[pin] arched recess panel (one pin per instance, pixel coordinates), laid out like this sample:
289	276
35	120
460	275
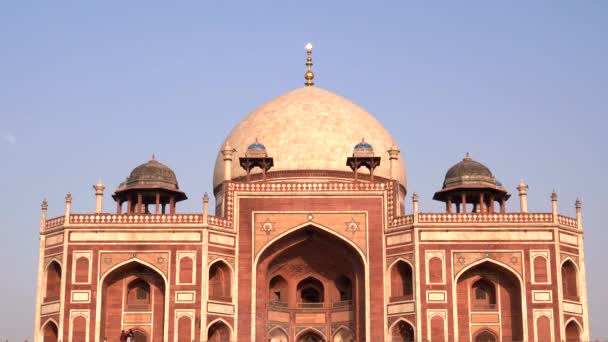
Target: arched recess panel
53	282
569	280
218	332
540	269
310	290
79	329
186	265
128	290
543	329
82	270
402	332
50	332
402	286
573	332
184	329
437	329
435	270
278	335
220	277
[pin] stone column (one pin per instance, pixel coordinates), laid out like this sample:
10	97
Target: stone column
205	208
523	196
68	208
554	203
393	159
227	152
99	188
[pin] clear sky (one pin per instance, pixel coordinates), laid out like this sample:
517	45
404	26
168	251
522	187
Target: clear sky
89	91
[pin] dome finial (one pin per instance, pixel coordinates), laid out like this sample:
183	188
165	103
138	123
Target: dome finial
467	156
153	156
309	76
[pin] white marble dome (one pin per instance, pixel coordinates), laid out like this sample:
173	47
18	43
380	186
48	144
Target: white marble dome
309	129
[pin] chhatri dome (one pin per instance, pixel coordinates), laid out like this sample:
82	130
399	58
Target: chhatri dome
309	129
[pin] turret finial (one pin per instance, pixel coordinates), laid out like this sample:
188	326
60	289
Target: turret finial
309	76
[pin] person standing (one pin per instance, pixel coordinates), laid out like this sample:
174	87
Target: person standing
130	336
123	336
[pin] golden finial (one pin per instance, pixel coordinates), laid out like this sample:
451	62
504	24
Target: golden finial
309	75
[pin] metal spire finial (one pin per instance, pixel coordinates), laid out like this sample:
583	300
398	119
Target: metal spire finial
309	76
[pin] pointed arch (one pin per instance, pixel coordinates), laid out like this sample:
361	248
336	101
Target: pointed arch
152	267
508	268
186	270
278	334
50	331
570	281
219	331
278	290
303	226
220	281
52	281
310	331
402	330
485	335
401	275
79	331
343	334
573	330
544	327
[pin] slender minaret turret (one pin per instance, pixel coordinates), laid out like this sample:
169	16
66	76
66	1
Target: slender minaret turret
523	196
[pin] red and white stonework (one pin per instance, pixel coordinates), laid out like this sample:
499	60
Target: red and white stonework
307	245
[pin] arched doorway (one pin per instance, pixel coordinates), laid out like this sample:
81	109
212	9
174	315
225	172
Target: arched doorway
485	336
344	335
402	332
218	332
50	332
573	332
292	278
310	336
278	335
133	293
570	281
490	289
52	289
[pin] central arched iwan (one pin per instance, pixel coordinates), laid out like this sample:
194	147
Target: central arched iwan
311	270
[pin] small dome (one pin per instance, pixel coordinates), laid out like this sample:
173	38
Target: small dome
469	171
363	149
256	146
152	174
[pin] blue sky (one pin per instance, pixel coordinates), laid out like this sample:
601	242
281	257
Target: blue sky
89	91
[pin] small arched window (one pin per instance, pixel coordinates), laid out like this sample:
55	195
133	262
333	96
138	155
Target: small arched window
220	282
401	281
483	295
53	282
570	281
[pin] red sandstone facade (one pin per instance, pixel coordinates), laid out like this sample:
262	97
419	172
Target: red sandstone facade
311	255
